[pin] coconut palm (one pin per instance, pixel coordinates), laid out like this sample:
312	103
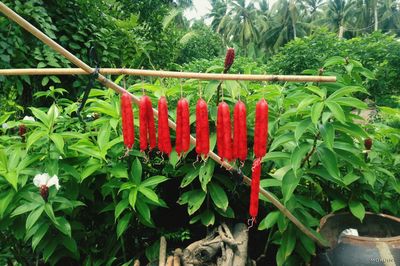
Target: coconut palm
390	18
340	13
286	23
218	11
239	25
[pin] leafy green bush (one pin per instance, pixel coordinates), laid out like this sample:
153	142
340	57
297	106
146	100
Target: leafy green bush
108	207
377	51
199	43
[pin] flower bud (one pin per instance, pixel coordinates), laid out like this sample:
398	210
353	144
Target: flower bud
229	58
368	144
22	130
44	192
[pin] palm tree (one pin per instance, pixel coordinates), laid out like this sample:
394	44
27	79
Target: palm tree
390	19
339	13
313	9
218	11
239	25
286	23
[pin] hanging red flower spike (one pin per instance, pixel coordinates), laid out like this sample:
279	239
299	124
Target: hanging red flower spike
151	128
143	123
261	129
239	132
202	128
128	129
164	138
255	188
182	127
224	132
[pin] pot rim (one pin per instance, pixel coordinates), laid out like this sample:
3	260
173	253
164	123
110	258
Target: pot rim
363	238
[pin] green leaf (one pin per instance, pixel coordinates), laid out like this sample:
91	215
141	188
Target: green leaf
33	217
144	211
25	207
316	90
350	178
207	218
352	102
316	111
370	177
345	91
218	196
189	177
328	134
12	179
299	154
210	89
49	249
193	198
148	193
276	156
50	213
352	129
329	161
337	111
289	184
269	221
121	206
153	181
58	141
136	171
205	174
42	116
301	128
39	234
357	209
6	198
132	197
103	136
35	137
307	243
123	224
63	226
280	140
70	244
335	60
338	204
90	169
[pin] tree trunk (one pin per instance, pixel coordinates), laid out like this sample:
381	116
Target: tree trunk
341	32
376	22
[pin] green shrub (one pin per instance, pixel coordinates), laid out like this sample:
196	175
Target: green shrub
377	51
107	207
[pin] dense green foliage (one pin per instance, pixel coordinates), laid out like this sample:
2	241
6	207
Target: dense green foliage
112	208
315	164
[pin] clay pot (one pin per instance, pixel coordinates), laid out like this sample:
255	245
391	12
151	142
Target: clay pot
378	242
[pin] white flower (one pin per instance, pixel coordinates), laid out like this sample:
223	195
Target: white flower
45	180
28	118
4	125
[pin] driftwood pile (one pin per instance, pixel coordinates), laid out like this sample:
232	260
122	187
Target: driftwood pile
224	246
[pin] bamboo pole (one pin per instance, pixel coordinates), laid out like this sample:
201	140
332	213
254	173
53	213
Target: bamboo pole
108	83
166	74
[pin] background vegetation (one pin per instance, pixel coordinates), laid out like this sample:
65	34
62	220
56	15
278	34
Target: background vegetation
111	210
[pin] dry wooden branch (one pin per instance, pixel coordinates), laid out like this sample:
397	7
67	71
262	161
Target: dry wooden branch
170	261
163	251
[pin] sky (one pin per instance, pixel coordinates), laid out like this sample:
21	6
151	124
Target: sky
201	7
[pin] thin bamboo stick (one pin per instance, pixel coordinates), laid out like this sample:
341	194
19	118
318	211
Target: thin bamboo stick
166	74
108	83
